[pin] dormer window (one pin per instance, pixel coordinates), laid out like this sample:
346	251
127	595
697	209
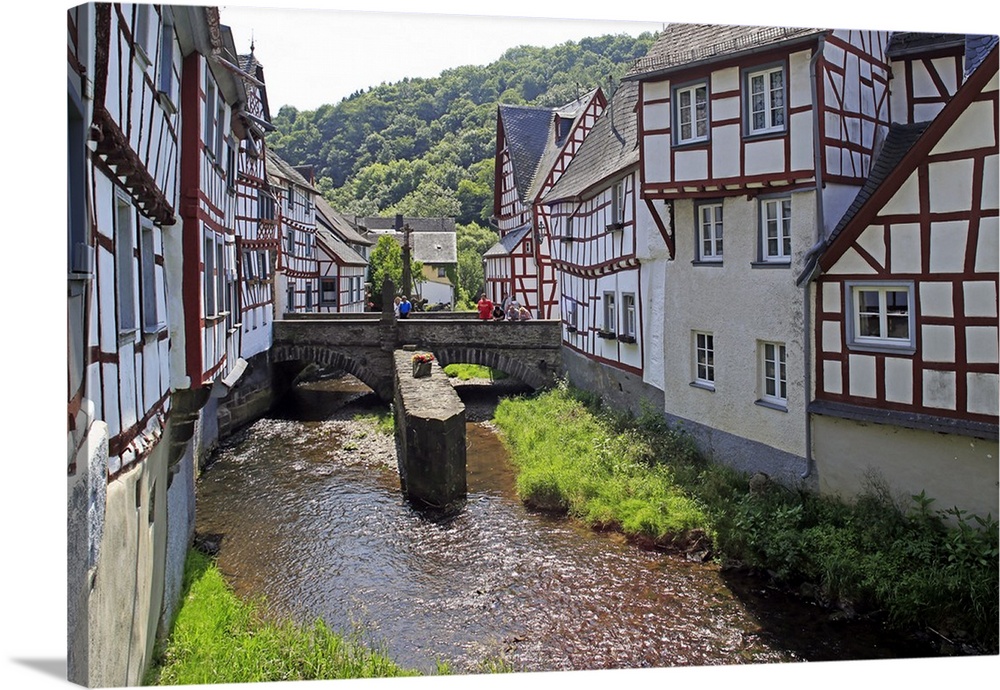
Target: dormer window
563	126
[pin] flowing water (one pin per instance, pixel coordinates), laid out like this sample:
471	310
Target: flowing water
312	519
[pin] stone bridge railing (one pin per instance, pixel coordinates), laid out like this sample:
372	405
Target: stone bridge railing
362	344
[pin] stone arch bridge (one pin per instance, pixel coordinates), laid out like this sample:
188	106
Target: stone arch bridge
363	344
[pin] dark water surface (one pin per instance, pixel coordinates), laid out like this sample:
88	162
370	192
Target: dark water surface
313	520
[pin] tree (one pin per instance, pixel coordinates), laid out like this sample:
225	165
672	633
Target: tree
386	261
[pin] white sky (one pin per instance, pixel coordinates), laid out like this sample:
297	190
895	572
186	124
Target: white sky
317	56
322	51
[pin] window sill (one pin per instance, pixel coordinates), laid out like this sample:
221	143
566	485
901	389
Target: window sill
692	143
772	405
153	330
166	102
771	264
607	335
904	349
704	385
614	226
707	262
773	133
630	339
571	329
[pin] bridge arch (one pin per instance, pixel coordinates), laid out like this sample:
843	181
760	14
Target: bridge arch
374	372
537	375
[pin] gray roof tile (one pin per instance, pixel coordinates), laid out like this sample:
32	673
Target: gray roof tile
339	249
686	44
610	147
339	222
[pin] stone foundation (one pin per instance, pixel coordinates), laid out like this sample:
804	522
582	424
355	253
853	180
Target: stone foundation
430	437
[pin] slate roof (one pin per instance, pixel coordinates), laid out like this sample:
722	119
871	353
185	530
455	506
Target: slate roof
610	147
898	142
531	138
554	147
903	43
340	223
507	243
429	246
687	44
416	224
339	249
278	167
977	47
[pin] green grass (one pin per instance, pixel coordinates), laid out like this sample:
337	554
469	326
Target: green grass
217	638
464	372
382	420
572	460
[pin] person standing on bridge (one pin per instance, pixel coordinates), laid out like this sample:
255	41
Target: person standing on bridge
405	307
485	307
395	306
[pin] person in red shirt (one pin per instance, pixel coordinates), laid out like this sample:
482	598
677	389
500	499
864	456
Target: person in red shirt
485	308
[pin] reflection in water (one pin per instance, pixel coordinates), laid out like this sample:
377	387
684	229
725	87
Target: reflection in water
313	520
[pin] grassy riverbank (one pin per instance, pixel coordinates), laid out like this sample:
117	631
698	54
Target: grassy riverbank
884	555
218	638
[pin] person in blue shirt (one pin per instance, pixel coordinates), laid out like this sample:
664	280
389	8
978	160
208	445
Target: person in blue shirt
405	307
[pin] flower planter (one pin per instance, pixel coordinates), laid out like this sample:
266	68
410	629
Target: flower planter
421	369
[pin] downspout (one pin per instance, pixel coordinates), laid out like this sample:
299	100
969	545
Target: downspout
810	258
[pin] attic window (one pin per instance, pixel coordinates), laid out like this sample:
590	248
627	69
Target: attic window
563	126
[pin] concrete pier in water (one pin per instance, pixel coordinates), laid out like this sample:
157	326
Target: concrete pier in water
430	436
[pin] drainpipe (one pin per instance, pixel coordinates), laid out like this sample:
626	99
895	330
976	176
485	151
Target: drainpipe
813	252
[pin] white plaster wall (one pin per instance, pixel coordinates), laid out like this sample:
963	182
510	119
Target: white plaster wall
953	470
741	306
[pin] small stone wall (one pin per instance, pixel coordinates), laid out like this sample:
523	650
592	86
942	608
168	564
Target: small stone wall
251	397
430	436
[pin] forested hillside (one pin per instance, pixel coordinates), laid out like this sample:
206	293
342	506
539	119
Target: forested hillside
425	147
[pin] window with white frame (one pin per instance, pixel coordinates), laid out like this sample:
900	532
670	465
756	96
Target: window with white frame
628	315
691	113
610	317
710	232
308	238
569	227
209	276
572	315
249	265
704	359
290	196
165	77
125	264
263	265
328	292
528	247
776	230
618	204
881	315
442	272
765	100
147	254
290	240
140	32
220	276
773	376
220	129
290	297
210	109
309	296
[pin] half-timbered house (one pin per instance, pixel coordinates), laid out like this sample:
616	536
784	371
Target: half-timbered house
297	278
257	239
534	146
906	297
342	271
610	260
124	185
753	142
